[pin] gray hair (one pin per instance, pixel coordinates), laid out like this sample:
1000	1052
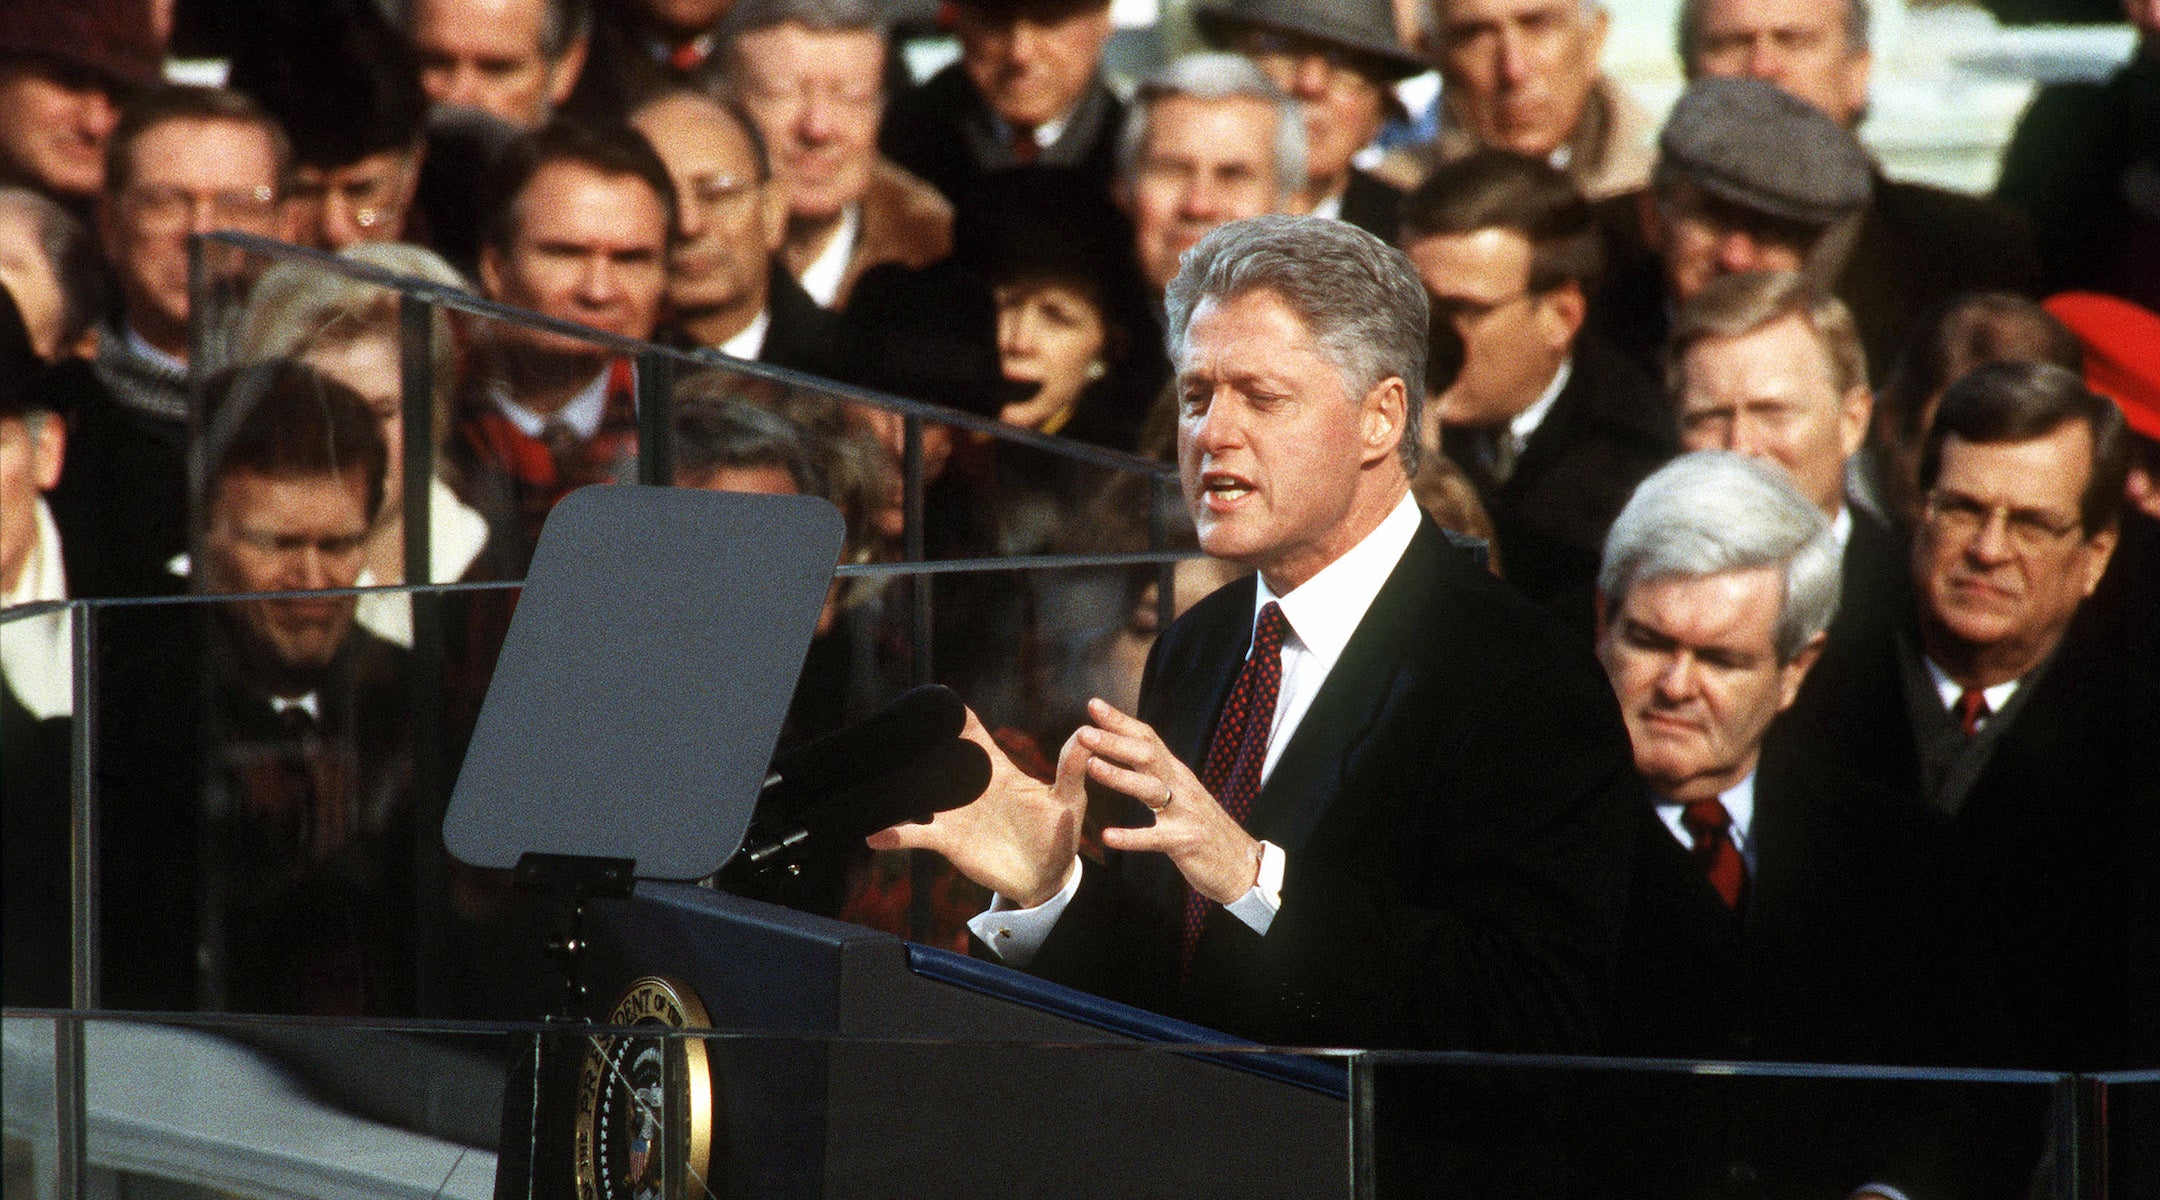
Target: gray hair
561	22
1217	76
715	429
70	254
1359	297
1715	511
817	16
1691	22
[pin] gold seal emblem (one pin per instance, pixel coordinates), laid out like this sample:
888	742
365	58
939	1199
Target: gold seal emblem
645	1104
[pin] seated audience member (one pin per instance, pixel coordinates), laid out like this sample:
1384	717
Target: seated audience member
1210	140
1915	245
348	330
811	73
1950	341
346	89
642	46
726	286
51	265
1523	75
1074	320
579	230
1341	62
65	72
182	160
2080	167
1028	88
2036	747
1754	872
1762	364
728	445
1748	178
1554	428
37	679
516	60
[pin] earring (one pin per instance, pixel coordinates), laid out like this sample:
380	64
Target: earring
1096	370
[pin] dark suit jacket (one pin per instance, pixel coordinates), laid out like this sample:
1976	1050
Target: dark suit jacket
1607	430
1454	808
1373	205
1860	939
2052	823
941	131
1874	598
802	336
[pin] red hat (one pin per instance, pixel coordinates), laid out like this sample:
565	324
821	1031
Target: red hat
2122	352
112	38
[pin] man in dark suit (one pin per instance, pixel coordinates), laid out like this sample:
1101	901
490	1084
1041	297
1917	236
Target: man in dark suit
1916	245
1341	61
1382	844
1763	364
1028	88
1555	429
2037	746
726	285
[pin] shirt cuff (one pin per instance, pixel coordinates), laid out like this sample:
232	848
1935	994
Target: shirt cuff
1014	934
1257	908
1883	1190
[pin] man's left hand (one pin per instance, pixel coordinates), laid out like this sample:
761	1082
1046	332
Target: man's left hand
1214	853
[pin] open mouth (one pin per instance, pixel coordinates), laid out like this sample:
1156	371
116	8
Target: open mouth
1219	488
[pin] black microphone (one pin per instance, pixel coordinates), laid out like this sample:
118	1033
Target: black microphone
942	775
844	758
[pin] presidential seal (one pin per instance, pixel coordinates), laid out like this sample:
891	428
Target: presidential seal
645	1104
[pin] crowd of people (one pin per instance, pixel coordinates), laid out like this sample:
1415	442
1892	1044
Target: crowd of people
1850	484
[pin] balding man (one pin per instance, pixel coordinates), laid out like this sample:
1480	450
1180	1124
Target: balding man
1916	246
1352	816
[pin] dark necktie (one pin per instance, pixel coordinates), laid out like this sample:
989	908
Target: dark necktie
562	447
1711	827
1024	146
1972	708
1239	749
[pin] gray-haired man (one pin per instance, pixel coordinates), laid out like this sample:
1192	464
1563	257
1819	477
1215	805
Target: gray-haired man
1780	908
1374	798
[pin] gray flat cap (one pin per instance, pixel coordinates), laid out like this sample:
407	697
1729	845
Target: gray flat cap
1366	27
1750	143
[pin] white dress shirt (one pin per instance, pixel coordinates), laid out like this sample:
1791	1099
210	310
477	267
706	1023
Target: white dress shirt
1950	689
822	278
1322	613
1739	802
750	343
1527	421
582	414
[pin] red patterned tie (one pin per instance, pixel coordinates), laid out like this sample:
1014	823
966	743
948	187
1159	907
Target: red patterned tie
1972	708
1239	749
1708	823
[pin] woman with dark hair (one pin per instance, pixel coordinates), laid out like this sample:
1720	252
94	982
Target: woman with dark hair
1075	318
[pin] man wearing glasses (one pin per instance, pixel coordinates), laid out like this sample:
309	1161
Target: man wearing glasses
181	161
1339	60
1993	707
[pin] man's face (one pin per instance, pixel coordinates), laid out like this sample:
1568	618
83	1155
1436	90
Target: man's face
29	464
486	54
1801	46
53	126
1031	67
361	201
269	534
1202	164
1514	340
28	275
1701	237
817	98
731	223
1693	661
186	176
1769	394
2000	561
1343	103
1273	450
586	247
1520	70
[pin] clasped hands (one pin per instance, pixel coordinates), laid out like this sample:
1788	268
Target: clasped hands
1020	837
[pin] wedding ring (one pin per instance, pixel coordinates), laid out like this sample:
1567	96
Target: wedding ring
1168	793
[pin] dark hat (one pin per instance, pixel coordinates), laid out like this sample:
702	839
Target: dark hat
111	38
1365	26
2122	352
341	81
930	335
1752	144
996	9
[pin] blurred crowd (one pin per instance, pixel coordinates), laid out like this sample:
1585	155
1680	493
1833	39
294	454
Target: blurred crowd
764	179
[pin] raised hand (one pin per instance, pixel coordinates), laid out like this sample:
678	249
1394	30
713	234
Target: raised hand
1214	853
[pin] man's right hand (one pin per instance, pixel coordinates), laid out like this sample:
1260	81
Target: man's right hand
1019	838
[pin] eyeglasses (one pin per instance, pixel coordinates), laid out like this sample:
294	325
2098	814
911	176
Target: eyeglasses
165	208
1346	69
710	191
1461	309
2030	530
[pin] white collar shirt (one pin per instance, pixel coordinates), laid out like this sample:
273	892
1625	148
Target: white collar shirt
582	414
1739	802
